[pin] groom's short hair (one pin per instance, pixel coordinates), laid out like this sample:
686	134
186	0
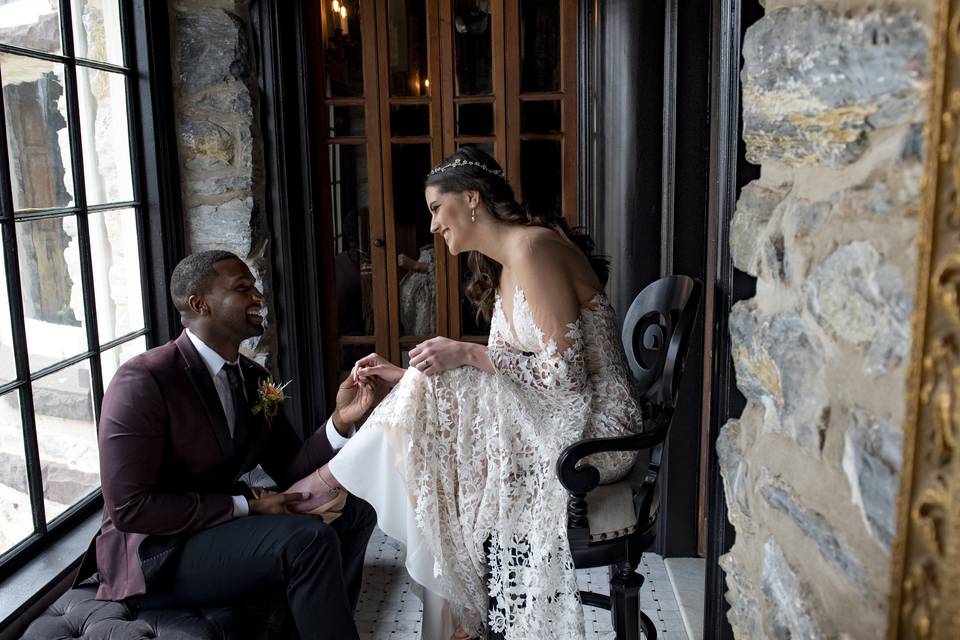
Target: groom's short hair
194	274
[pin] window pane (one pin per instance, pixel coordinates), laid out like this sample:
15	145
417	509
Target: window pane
417	284
31	24
474	50
474	119
37	137
540	175
8	369
111	359
102	99
16	513
343	55
410	119
540	116
540	45
96	30
353	271
52	290
346	121
115	254
408	48
67	436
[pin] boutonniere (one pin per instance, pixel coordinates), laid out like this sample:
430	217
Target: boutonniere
270	396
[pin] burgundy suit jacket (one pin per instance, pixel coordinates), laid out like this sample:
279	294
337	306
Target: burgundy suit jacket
168	466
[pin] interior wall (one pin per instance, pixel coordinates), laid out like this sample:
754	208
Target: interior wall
833	110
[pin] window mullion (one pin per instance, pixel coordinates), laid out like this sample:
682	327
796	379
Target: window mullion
80	199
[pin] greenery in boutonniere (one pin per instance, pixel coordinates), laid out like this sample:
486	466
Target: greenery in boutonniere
270	396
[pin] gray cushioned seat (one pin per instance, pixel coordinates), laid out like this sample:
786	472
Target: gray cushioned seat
77	614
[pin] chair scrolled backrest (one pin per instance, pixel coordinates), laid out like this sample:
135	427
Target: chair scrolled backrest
656	335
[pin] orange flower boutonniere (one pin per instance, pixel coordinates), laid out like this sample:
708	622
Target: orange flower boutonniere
270	396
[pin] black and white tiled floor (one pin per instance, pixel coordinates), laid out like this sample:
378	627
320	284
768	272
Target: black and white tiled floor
388	609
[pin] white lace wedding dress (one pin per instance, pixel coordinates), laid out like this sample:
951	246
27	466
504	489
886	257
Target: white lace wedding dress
460	467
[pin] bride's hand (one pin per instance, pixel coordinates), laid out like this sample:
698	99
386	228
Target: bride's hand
376	369
440	354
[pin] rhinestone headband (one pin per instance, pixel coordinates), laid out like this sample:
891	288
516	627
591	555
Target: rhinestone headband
459	162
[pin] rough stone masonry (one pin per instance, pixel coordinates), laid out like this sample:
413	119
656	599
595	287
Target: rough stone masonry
834	102
219	140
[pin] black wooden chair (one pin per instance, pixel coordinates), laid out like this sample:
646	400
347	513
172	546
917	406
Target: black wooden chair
613	524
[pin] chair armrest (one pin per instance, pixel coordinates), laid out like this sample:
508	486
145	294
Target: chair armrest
580	479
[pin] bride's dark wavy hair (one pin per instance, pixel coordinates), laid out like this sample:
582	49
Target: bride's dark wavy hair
498	197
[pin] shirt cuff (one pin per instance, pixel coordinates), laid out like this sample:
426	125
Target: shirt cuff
241	507
338	441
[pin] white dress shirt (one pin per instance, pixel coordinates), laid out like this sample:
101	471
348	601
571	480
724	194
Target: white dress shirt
214	363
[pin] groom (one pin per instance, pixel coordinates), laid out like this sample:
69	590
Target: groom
177	432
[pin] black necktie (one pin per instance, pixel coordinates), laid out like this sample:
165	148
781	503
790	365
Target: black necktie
239	401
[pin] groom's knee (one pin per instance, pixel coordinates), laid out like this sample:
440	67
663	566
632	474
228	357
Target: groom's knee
312	542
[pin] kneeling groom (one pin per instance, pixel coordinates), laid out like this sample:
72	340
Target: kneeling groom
177	431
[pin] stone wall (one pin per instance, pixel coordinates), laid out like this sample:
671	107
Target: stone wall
220	144
833	111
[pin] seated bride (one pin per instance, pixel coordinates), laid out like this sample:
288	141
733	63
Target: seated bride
458	459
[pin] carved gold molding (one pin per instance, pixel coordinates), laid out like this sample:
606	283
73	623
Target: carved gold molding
925	594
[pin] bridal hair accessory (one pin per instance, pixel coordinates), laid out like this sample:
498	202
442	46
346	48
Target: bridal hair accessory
270	396
459	162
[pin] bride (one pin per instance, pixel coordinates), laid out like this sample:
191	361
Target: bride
459	458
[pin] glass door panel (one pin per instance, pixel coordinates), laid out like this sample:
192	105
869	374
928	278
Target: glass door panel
353	272
343	49
474	48
407	25
540	45
415	245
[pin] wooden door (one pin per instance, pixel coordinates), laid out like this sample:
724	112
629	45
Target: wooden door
398	86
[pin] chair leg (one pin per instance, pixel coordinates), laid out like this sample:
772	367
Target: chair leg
625	586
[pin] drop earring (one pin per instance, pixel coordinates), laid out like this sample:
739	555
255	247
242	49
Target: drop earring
473	215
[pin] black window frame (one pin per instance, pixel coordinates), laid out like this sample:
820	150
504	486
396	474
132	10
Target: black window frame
156	202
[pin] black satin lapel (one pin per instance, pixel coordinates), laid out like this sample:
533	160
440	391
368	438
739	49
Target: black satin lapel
203	384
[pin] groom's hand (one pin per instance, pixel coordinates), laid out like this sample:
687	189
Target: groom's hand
270	502
354	400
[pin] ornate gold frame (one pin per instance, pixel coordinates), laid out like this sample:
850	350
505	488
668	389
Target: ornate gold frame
925	593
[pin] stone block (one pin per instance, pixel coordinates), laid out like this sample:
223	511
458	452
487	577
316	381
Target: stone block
872	455
205	145
214	49
235	99
735	472
220	185
225	226
861	300
818	529
779	366
748	229
793	610
815	82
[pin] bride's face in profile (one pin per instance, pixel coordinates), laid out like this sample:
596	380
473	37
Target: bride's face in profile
450	217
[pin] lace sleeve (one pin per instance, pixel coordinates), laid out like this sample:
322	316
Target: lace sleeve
558	366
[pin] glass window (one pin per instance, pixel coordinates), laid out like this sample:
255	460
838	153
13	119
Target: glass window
50	281
474	48
416	255
38	143
15	512
31	24
540	116
410	119
408	48
343	50
353	269
74	240
345	121
539	45
67	437
540	175
474	119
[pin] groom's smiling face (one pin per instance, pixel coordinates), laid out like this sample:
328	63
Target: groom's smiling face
234	302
